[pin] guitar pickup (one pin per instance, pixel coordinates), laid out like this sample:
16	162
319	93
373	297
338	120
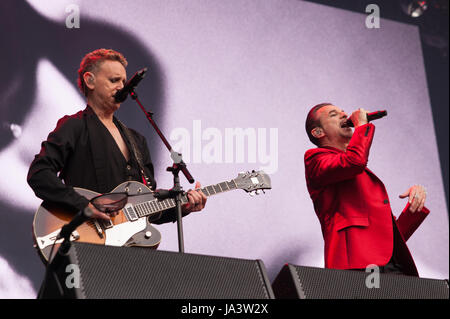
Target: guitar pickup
50	239
130	212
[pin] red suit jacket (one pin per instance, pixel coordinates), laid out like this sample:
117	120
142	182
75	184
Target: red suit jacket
353	207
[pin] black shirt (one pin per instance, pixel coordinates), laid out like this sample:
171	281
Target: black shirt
84	153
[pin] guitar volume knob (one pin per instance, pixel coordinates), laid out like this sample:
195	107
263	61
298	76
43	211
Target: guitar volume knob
148	234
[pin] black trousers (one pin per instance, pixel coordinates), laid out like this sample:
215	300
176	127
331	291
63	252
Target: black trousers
392	267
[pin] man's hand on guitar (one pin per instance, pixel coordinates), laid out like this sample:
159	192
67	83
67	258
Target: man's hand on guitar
98	214
197	200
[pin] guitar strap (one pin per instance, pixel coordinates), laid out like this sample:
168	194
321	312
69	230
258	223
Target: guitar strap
136	153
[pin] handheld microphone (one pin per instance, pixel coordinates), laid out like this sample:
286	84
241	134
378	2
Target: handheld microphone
122	94
370	117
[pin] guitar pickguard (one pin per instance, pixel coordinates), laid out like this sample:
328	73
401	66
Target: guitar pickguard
119	234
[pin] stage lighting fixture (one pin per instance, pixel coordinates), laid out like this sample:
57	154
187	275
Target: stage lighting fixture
414	8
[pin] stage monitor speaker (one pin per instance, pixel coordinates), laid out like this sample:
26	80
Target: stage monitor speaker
297	282
98	272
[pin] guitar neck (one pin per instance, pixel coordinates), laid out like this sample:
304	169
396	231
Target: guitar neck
219	188
156	206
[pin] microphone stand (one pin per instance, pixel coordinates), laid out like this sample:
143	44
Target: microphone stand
62	252
177	191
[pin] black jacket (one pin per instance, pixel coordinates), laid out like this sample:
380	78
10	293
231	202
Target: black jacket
85	155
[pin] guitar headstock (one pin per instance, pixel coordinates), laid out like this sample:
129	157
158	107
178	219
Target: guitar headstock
253	181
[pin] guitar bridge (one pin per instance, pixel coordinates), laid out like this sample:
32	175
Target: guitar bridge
50	239
107	224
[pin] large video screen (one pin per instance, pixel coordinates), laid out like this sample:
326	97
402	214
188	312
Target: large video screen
230	84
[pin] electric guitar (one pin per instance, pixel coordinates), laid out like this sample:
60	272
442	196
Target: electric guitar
131	226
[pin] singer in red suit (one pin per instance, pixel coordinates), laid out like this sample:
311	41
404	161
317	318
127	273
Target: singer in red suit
351	202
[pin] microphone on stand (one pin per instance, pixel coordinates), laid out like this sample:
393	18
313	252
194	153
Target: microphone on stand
66	231
122	94
370	117
79	219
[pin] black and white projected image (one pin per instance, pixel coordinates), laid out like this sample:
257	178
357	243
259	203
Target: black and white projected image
230	83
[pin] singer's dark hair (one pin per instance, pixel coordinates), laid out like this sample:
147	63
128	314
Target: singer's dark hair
91	62
312	121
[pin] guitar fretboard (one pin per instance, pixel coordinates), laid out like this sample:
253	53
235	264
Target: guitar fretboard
156	206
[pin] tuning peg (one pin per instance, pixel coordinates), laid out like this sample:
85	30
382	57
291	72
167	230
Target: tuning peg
257	192
252	193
